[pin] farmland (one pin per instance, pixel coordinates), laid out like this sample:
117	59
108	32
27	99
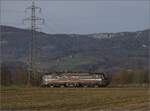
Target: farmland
75	99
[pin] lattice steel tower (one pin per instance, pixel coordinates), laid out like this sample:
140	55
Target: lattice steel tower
34	21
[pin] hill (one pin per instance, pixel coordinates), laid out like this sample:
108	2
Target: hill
90	52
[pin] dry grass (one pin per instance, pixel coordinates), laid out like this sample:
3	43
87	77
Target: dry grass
75	99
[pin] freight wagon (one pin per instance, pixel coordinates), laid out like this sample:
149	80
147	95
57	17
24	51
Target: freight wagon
75	80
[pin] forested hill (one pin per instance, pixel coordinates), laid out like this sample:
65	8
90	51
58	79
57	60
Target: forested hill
74	52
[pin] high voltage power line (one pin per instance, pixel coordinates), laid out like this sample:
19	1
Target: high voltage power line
34	20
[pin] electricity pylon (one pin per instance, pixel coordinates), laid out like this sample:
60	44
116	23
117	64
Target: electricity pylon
34	26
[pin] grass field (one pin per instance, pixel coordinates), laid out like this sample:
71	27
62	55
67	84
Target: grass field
75	99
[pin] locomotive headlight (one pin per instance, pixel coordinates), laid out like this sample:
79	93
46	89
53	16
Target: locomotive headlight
46	80
100	79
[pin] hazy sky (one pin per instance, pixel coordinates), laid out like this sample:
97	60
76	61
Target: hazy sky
81	16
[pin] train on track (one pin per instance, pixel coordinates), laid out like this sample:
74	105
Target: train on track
75	80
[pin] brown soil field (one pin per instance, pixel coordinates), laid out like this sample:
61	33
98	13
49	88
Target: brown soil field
75	99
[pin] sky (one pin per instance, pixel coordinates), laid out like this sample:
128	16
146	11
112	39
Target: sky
82	16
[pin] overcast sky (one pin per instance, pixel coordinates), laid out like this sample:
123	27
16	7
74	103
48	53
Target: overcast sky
81	16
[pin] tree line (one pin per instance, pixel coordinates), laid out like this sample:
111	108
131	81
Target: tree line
124	76
18	75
